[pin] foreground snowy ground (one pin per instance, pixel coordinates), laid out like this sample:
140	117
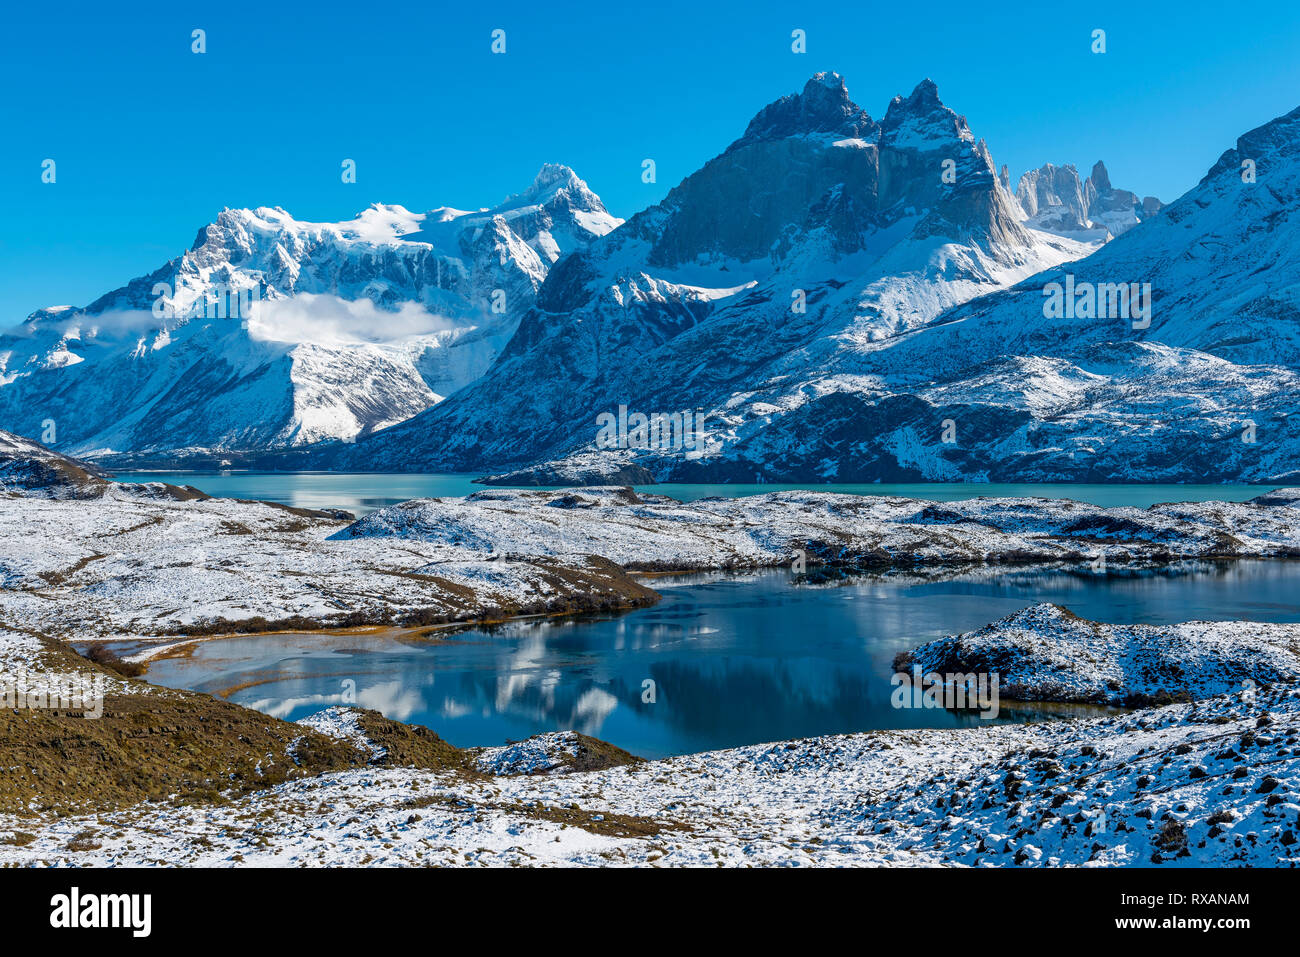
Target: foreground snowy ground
1216	782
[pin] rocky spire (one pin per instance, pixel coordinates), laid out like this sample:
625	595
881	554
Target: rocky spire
1100	179
824	106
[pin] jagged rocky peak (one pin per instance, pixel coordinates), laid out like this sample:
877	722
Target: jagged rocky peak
931	161
922	124
1048	186
557	184
1053	199
815	168
553	175
556	214
923	109
1116	210
805	164
1056	200
824	106
1100	179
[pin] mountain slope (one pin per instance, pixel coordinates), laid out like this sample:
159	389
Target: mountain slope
819	232
271	332
27	467
1201	389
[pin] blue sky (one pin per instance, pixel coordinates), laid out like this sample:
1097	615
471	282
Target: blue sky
151	140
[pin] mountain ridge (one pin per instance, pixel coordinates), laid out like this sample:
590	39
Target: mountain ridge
870	234
993	387
273	332
839	298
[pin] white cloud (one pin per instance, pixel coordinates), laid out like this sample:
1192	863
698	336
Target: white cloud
329	320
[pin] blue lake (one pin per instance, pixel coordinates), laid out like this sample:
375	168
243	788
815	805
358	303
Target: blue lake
364	492
734	659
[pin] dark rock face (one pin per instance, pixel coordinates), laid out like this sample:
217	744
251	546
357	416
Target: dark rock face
917	135
816	161
727	209
824	106
1118	210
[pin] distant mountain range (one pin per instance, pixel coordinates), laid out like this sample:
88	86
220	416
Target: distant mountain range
270	332
835	298
1056	200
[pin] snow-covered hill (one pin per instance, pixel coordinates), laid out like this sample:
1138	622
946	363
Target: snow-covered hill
1047	653
273	332
29	468
658	533
819	232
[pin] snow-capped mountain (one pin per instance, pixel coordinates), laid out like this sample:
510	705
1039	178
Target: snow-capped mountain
272	332
1168	354
832	298
1198	382
1056	200
820	233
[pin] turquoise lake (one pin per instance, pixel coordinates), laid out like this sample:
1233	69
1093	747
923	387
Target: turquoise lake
365	492
735	659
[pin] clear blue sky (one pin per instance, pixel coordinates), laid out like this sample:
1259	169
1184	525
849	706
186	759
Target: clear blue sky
151	141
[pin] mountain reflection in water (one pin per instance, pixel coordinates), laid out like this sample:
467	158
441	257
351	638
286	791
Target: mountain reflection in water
734	659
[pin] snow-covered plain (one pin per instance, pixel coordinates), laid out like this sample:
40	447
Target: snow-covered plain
132	562
644	531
